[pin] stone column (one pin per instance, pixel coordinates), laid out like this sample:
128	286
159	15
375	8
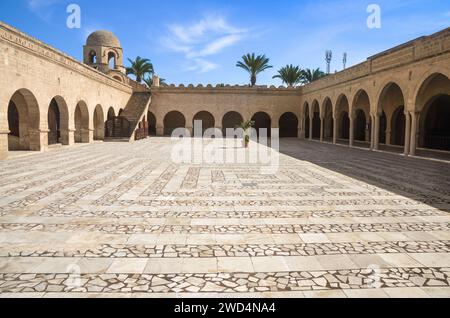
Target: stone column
413	142
321	128
407	133
159	131
388	137
376	132
68	137
310	127
38	140
335	130
301	131
3	144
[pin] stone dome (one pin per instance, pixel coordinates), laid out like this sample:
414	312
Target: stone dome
103	38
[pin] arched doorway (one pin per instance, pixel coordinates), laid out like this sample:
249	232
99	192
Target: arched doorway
111	113
391	103
360	125
81	123
343	118
398	126
316	120
207	122
151	124
263	124
172	121
23	122
109	124
362	119
231	120
99	123
328	119
433	102
383	128
54	123
307	121
288	125
344	132
58	122
436	124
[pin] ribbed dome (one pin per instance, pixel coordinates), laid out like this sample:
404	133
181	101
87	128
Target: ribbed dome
103	38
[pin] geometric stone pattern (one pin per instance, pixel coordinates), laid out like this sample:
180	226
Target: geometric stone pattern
207	283
132	221
205	251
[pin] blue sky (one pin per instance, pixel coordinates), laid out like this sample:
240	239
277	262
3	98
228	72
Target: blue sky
199	41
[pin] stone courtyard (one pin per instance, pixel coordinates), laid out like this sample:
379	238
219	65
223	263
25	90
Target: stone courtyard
122	219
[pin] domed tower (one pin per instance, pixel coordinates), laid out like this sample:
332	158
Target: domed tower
104	53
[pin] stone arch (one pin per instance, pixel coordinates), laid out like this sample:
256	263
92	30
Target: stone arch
99	123
172	121
230	120
328	118
316	122
111	113
82	123
112	60
151	118
433	104
207	119
391	101
93	57
288	125
398	124
361	109
58	121
262	121
343	118
24	122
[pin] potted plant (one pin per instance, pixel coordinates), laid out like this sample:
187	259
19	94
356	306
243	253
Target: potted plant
246	127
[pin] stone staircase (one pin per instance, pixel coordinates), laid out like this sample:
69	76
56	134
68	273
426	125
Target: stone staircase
124	126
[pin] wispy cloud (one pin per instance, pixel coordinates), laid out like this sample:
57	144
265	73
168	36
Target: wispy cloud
43	8
202	39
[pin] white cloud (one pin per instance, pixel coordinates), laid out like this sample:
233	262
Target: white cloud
43	8
204	38
201	66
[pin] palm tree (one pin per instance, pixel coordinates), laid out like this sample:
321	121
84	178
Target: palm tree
290	75
149	81
254	65
310	76
246	126
139	68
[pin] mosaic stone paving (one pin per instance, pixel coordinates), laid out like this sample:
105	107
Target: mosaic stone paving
125	220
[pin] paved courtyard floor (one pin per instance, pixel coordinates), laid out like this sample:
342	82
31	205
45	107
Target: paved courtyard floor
124	220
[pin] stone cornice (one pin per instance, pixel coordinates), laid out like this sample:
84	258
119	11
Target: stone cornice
33	46
259	90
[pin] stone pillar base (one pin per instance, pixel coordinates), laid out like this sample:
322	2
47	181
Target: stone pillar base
87	136
68	137
160	131
38	140
3	144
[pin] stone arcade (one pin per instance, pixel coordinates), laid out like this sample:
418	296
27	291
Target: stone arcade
396	99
